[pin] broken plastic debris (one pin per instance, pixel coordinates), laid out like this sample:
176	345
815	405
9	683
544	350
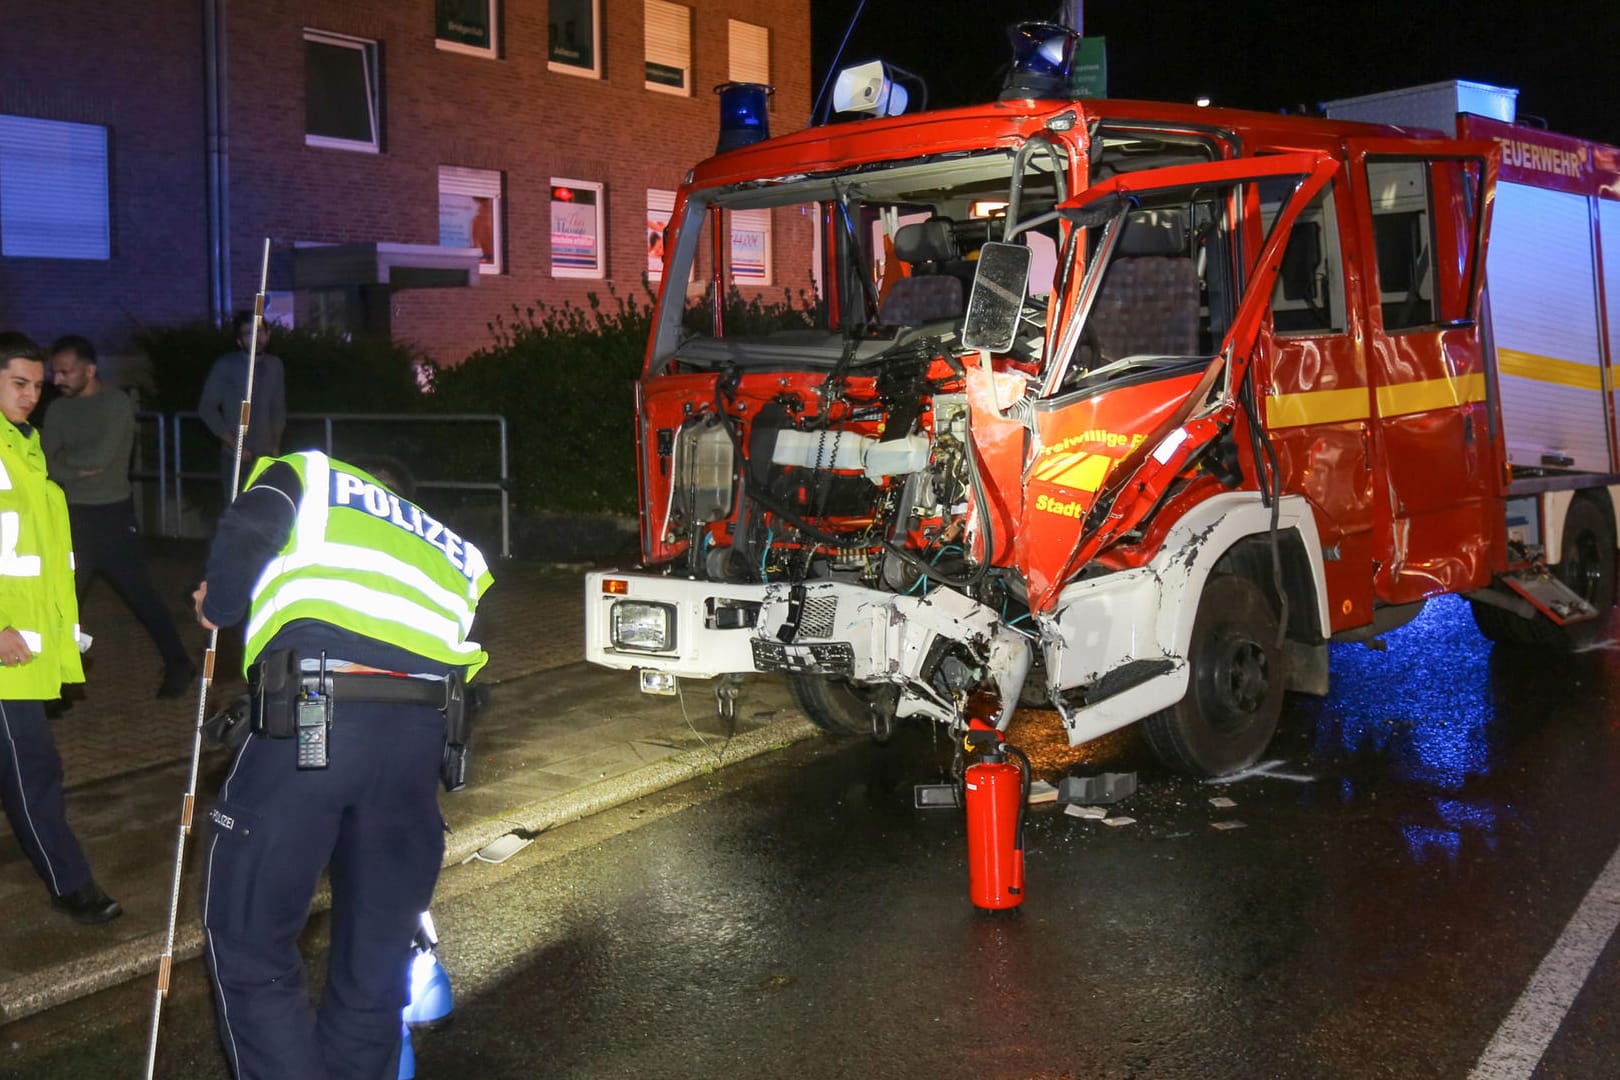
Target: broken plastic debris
501	849
1095	813
1042	792
1119	821
1222	802
1224	825
1088	790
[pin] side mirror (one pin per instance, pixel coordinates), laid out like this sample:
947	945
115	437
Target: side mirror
999	285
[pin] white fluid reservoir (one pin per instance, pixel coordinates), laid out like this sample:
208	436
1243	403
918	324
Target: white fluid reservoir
847	450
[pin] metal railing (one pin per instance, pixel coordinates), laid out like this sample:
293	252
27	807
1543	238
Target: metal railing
171	474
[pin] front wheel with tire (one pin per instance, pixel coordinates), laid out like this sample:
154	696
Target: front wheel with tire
839	706
1235	683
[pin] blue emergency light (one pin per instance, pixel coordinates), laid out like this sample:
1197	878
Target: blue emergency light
1042	55
744	119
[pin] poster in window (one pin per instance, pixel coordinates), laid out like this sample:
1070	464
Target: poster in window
660	205
573	35
464	22
468	221
574	243
750	247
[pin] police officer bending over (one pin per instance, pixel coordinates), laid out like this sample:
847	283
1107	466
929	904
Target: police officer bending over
358	605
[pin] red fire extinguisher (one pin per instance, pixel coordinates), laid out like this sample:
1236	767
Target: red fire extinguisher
997	797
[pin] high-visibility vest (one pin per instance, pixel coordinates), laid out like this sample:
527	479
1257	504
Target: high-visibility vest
365	560
36	572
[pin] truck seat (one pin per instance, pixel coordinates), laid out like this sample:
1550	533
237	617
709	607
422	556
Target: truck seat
1149	301
928	294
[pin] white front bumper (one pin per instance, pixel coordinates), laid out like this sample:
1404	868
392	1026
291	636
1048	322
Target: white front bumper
824	627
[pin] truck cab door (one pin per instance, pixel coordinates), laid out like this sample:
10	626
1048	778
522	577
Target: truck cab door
1153	347
1436	443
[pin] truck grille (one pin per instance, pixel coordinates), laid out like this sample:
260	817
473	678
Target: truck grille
818	617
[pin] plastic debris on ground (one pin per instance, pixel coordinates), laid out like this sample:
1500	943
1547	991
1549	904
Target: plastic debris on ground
1108	787
501	849
1224	825
1119	821
1093	813
1042	792
1222	802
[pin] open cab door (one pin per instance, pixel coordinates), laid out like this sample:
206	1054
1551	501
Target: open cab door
1149	349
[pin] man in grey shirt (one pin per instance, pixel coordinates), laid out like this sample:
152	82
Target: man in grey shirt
87	435
222	396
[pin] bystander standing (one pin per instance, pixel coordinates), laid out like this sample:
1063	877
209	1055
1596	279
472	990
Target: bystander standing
224	390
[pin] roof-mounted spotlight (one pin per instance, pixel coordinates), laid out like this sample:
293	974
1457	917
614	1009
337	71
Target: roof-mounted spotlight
873	87
1042	55
744	118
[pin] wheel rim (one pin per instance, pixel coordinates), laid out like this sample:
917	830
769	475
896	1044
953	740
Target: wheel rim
1583	571
1239	682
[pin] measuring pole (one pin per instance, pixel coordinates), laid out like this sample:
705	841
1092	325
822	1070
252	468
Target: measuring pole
188	803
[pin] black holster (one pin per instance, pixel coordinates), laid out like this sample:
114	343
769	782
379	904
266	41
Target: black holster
276	682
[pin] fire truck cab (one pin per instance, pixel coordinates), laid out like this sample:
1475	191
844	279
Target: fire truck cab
1128	407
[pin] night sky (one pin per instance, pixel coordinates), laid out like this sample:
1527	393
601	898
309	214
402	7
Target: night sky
1563	57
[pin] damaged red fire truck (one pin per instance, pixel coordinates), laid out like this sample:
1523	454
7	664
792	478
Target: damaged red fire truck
1127	408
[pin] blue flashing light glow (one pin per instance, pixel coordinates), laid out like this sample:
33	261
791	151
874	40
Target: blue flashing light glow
1425	841
744	118
1042	55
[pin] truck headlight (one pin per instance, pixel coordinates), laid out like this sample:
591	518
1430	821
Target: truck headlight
648	627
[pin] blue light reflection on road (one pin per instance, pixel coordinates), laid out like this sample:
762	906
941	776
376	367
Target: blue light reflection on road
1424	710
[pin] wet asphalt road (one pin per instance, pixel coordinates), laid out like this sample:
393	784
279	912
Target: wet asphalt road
796	917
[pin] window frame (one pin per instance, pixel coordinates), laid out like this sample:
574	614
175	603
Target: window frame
685	46
594	71
371	59
480	184
490	52
15	129
599	271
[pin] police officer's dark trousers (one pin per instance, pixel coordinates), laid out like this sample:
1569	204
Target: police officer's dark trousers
107	541
373	817
31	788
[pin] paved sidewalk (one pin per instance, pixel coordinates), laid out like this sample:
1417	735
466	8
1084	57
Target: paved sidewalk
552	747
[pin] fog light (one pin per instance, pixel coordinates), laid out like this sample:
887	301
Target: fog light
661	683
645	626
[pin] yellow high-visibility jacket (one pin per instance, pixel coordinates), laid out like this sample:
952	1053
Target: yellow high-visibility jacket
36	572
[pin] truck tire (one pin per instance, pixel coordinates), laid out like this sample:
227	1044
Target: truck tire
841	707
1235	684
1586	565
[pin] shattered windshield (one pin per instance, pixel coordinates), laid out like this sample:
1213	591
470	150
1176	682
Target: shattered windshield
811	267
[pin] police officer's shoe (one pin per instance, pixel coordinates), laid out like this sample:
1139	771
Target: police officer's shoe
177	679
88	905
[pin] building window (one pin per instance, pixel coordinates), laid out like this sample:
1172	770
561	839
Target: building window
466	26
750	53
470	214
660	206
577	226
53	189
669	48
576	37
751	247
340	92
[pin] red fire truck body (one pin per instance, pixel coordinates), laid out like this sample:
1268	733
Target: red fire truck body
1127	406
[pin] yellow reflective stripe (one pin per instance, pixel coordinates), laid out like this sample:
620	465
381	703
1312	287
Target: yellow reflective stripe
1426	395
369	603
348	557
1080	471
1316	407
1549	370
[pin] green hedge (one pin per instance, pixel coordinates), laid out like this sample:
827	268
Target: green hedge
563	377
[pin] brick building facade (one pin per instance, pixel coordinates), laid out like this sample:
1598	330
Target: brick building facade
386	148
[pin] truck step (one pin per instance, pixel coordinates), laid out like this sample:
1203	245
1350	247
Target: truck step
1549	596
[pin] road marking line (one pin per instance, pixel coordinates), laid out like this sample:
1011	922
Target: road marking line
1524	1036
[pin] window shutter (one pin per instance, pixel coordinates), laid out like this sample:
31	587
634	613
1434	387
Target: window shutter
53	189
669	46
750	52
